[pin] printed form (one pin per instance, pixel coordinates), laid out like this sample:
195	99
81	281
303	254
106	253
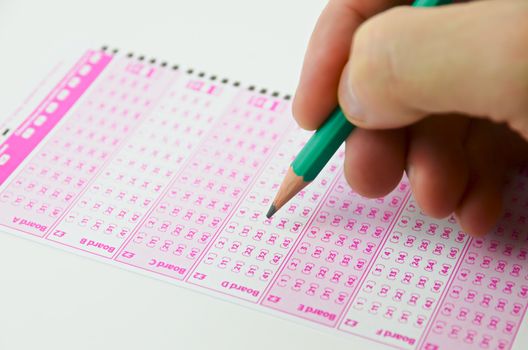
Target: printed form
170	173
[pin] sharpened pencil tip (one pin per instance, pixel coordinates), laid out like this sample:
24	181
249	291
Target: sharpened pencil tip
271	211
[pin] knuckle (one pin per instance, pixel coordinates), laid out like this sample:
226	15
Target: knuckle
368	52
375	67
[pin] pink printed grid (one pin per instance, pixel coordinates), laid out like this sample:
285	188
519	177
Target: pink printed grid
330	257
487	300
118	106
250	248
403	288
334	254
174	237
50	112
33	130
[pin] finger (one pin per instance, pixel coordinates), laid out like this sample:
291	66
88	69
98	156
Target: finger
375	160
437	164
326	56
512	147
481	206
470	58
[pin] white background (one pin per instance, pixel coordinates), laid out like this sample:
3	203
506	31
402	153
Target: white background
50	299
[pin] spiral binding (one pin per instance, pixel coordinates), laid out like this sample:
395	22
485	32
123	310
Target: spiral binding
190	71
200	74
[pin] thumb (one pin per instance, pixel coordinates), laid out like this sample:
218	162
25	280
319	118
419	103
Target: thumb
469	58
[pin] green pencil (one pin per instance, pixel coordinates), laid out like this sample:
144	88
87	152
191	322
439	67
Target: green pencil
321	146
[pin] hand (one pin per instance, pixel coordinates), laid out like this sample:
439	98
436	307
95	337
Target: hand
439	92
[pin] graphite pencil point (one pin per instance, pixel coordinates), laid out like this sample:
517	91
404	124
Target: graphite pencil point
272	210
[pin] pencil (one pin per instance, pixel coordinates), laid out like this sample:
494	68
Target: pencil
321	146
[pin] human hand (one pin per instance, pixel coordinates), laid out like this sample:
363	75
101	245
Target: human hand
439	92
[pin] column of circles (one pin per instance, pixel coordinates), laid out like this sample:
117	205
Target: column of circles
50	112
251	248
486	302
35	196
269	181
63	167
178	231
333	255
407	279
140	172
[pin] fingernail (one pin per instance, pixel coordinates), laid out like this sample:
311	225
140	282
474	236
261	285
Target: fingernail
348	99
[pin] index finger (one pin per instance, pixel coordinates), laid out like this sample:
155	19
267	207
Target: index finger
327	54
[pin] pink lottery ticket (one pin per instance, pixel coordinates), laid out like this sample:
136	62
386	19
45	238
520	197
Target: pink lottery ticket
170	174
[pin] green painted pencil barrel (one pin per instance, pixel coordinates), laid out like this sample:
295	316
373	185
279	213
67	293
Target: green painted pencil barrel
430	3
322	146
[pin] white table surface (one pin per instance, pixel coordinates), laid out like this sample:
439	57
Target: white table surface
50	299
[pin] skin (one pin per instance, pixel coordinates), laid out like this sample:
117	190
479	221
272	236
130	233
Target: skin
440	93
